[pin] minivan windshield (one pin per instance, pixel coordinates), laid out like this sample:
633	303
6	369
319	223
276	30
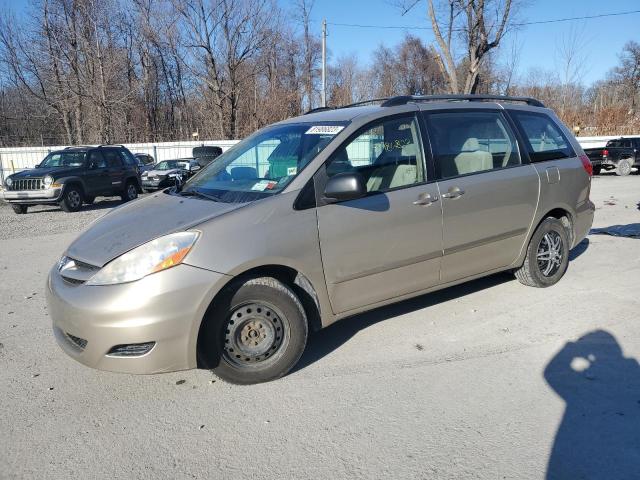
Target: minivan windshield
263	164
63	159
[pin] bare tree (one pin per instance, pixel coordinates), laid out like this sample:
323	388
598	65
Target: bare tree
480	25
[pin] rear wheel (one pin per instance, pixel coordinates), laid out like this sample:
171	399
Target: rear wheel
624	167
130	192
19	209
547	256
256	333
71	199
597	169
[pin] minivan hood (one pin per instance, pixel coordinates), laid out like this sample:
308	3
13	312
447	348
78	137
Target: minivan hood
140	221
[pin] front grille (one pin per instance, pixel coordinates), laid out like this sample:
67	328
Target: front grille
81	343
26	184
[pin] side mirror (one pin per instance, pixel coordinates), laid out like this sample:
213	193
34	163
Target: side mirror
345	186
37	165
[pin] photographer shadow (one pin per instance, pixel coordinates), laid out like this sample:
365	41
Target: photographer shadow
599	436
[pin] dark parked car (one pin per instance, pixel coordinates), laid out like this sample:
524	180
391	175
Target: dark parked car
168	172
145	161
621	154
74	176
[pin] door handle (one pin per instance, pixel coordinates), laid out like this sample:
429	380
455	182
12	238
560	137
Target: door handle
453	192
425	199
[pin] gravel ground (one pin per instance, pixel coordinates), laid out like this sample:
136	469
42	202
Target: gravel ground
49	220
486	380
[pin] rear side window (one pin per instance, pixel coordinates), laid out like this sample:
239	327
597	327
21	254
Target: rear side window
471	142
113	158
545	140
128	157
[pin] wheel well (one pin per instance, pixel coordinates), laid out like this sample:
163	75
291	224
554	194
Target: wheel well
74	183
566	219
300	285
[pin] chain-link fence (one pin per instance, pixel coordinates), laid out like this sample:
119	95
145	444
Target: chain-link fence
15	159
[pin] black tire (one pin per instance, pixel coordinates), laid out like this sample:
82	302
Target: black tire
130	191
261	309
533	272
72	199
89	200
597	169
19	209
624	166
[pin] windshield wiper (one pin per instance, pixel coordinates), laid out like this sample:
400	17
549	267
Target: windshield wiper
198	193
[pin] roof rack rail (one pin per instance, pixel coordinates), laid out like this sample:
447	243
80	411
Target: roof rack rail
318	109
404	99
356	104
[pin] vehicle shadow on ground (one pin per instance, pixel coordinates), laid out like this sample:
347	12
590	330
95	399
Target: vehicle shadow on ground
325	341
630	230
579	249
599	435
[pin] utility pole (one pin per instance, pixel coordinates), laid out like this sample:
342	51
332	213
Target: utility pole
324	62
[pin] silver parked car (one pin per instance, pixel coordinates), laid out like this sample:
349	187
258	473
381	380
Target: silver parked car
318	218
168	172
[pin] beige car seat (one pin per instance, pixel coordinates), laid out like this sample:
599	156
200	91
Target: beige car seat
471	158
392	176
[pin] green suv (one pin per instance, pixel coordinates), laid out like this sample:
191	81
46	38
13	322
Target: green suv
73	177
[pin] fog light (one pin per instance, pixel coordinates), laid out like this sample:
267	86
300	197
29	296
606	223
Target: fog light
131	350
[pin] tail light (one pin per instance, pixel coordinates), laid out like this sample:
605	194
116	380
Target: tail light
586	164
605	153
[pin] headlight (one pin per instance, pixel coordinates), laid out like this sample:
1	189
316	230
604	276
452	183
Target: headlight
8	182
47	181
154	256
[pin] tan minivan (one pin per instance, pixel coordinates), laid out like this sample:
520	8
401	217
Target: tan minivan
318	218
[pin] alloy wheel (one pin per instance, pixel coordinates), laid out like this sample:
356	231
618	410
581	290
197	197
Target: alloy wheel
550	253
74	199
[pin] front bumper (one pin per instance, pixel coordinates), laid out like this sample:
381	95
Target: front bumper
45	195
156	184
165	308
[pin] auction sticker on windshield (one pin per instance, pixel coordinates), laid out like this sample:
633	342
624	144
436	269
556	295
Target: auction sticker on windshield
324	130
263	185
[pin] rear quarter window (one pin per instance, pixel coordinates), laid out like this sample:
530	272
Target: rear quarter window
543	137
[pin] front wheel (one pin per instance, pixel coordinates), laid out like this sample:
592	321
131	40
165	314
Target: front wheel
71	199
256	333
547	256
624	167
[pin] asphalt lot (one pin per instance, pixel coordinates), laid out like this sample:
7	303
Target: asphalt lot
488	380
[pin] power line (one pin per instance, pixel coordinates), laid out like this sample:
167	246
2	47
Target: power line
520	24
